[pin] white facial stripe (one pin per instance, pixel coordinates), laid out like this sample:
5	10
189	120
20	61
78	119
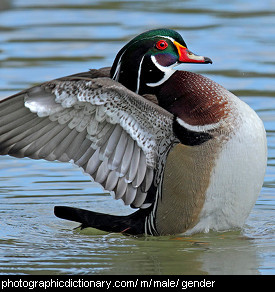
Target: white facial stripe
160	36
168	71
138	77
166	37
116	74
199	128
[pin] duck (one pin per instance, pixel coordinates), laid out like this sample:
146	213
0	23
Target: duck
184	152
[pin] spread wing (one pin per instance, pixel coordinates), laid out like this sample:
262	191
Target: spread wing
98	124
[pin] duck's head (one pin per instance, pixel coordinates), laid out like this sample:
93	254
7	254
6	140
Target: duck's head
148	60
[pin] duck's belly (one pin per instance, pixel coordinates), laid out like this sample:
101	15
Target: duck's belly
214	185
237	178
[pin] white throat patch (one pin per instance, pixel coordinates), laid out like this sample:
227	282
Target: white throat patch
168	71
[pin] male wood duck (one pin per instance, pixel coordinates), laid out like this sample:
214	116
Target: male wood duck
182	149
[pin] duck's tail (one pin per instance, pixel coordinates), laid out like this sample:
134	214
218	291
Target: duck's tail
133	224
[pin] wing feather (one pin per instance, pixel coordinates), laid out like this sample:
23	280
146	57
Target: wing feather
86	153
62	147
121	188
139	198
133	168
117	155
20	134
140	174
126	159
112	180
102	172
130	194
95	122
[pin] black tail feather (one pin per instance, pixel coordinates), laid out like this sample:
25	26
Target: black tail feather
130	224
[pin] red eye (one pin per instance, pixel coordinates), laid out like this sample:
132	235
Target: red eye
161	45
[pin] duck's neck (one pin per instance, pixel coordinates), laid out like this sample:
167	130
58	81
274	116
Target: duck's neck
193	98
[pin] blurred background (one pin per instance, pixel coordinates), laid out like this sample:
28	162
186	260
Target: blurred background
43	40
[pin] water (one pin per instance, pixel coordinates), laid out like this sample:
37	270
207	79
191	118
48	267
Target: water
42	40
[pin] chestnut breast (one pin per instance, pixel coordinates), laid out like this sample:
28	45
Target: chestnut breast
201	104
195	99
